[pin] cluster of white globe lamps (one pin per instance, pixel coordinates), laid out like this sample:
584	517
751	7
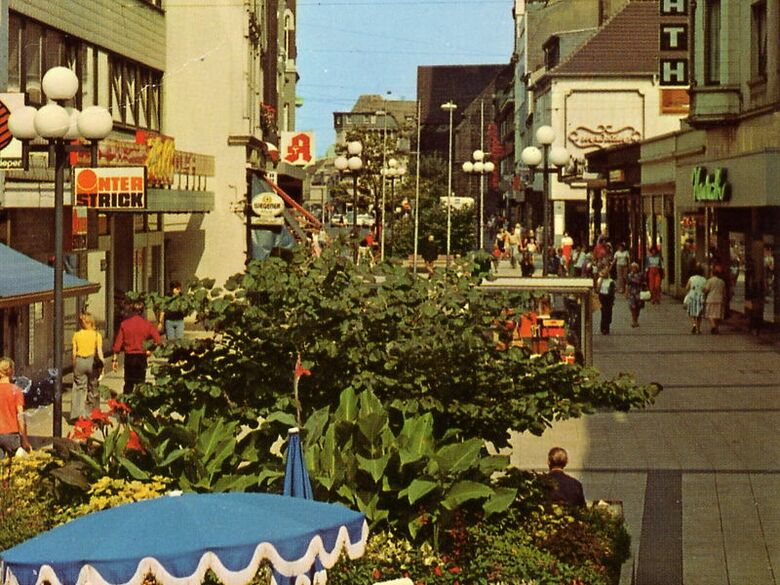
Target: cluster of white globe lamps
57	125
54	121
557	155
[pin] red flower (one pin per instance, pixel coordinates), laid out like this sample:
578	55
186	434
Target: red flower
376	573
116	407
437	570
82	430
300	370
134	443
98	416
455	570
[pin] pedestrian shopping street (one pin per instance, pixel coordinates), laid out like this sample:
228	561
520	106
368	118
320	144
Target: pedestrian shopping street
698	473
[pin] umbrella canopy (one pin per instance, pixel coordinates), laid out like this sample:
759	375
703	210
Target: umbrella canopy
178	539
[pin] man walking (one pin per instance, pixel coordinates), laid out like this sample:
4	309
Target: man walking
133	333
564	488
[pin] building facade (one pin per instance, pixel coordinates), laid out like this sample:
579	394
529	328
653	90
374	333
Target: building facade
727	165
119	56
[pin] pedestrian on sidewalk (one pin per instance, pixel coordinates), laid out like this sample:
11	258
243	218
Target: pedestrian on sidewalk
694	298
87	345
654	268
171	318
715	288
564	488
622	260
605	287
13	427
131	338
430	252
636	284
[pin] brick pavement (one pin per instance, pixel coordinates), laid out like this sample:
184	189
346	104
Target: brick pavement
698	472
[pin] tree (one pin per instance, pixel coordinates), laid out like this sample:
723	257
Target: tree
418	344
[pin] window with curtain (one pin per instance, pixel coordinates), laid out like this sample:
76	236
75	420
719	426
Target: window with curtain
759	40
31	52
712	42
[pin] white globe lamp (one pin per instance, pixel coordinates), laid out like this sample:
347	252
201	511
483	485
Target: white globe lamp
545	135
21	123
60	83
95	123
52	121
559	156
531	156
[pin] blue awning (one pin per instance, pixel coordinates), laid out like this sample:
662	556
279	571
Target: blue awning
24	280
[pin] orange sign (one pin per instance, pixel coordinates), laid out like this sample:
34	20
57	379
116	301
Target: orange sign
110	188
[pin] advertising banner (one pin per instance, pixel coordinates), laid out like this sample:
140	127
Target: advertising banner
110	188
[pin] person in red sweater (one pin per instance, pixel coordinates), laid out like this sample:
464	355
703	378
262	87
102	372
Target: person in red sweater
13	429
131	338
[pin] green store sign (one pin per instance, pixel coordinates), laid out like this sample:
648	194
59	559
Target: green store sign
710	187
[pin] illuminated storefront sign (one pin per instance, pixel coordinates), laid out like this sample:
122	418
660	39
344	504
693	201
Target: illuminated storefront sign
110	188
298	148
710	187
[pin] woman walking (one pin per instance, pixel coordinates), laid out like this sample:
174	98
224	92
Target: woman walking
655	273
605	287
635	281
13	426
694	298
715	289
87	344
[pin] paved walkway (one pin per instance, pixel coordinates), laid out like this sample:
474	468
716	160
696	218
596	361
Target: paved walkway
698	473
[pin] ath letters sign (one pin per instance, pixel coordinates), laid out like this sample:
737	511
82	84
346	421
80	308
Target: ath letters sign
712	187
298	148
673	43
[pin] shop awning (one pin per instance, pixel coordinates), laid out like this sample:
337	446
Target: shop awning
24	280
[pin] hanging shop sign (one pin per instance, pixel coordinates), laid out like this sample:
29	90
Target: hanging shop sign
710	187
298	148
673	43
110	188
603	136
268	209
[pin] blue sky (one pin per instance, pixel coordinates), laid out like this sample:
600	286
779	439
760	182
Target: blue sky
351	47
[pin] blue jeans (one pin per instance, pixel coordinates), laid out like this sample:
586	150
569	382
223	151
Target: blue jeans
174	329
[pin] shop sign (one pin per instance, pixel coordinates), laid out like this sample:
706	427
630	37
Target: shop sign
11	157
457	202
617	176
675	101
673	43
110	188
268	209
298	148
710	187
79	226
603	136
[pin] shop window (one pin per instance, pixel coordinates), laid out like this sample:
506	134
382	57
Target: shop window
759	41
712	42
102	82
14	53
89	77
53	49
31	59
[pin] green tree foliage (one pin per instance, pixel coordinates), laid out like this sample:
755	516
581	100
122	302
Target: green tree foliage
425	345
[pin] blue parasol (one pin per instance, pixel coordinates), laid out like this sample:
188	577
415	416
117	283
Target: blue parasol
297	485
296	478
179	538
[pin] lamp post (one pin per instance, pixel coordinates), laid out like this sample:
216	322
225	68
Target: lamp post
57	124
352	165
392	172
533	157
481	167
449	107
384	115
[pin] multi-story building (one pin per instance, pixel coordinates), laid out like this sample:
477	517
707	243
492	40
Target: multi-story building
722	174
248	51
594	97
118	52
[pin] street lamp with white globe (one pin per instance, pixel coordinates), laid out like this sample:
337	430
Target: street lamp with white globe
480	166
392	172
557	156
352	164
58	125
